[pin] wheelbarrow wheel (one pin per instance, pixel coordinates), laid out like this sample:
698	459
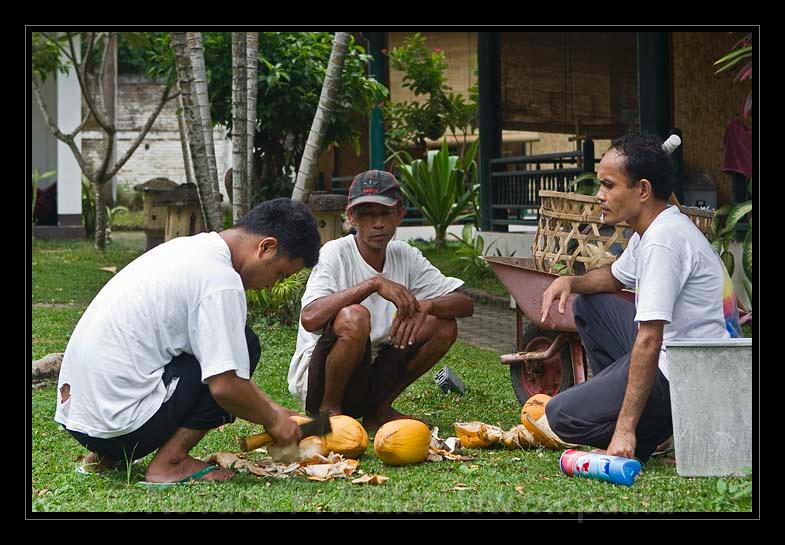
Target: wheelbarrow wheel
549	376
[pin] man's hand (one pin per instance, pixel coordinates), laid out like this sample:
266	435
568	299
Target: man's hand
404	331
397	294
561	288
283	429
622	444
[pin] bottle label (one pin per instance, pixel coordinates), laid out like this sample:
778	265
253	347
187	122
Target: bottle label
613	469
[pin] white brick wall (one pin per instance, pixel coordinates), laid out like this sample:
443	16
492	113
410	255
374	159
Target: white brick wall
160	153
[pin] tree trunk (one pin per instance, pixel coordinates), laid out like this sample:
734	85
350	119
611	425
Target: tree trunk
313	147
110	165
196	135
202	101
252	58
189	177
109	100
100	218
239	125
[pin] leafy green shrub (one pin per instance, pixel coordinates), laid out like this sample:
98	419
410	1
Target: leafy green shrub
129	197
281	303
441	187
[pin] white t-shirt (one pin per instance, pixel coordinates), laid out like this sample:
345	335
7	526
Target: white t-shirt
341	267
678	278
181	296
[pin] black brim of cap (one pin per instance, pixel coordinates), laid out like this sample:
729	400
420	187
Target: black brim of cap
374	199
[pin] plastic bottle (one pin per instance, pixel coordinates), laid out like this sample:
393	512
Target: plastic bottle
614	469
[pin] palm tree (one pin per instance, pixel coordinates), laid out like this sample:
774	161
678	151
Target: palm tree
191	76
239	125
252	58
313	147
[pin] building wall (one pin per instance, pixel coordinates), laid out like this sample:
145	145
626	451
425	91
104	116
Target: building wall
704	103
160	153
460	50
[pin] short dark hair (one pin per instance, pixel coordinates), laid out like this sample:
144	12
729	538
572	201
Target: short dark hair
645	158
288	221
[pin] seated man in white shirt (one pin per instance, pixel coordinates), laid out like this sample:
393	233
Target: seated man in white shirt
376	314
163	354
682	291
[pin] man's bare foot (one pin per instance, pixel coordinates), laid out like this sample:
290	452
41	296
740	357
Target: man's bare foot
665	447
171	473
376	419
94	464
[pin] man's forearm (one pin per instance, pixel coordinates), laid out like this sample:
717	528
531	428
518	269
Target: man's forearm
643	371
246	401
596	281
453	305
317	314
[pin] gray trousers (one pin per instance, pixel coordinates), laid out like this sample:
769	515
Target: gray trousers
586	414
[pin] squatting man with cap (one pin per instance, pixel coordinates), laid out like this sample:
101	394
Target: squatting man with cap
163	354
682	290
376	315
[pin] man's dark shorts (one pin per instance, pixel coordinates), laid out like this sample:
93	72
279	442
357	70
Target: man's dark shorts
190	406
370	384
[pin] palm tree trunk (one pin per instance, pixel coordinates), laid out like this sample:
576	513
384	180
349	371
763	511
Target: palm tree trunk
189	177
313	147
196	51
196	134
239	125
252	58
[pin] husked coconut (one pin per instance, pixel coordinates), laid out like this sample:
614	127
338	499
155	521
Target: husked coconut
308	449
402	442
535	408
348	437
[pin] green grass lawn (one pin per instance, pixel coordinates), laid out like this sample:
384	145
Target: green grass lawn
133	220
449	263
498	481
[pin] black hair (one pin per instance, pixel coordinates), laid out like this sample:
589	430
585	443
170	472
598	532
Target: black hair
644	158
288	221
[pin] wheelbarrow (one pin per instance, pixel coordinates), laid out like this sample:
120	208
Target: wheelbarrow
550	355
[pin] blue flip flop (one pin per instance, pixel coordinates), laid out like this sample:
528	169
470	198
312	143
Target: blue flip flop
194	477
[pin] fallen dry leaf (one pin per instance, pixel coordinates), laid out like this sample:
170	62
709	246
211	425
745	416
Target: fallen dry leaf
461	486
448	448
112	270
318	472
322	469
371	479
519	489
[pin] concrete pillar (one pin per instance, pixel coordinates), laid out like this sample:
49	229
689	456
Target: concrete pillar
69	175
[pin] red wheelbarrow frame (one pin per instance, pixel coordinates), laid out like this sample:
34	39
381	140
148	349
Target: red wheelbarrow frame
526	285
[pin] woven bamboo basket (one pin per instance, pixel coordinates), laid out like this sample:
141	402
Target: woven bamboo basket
571	239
